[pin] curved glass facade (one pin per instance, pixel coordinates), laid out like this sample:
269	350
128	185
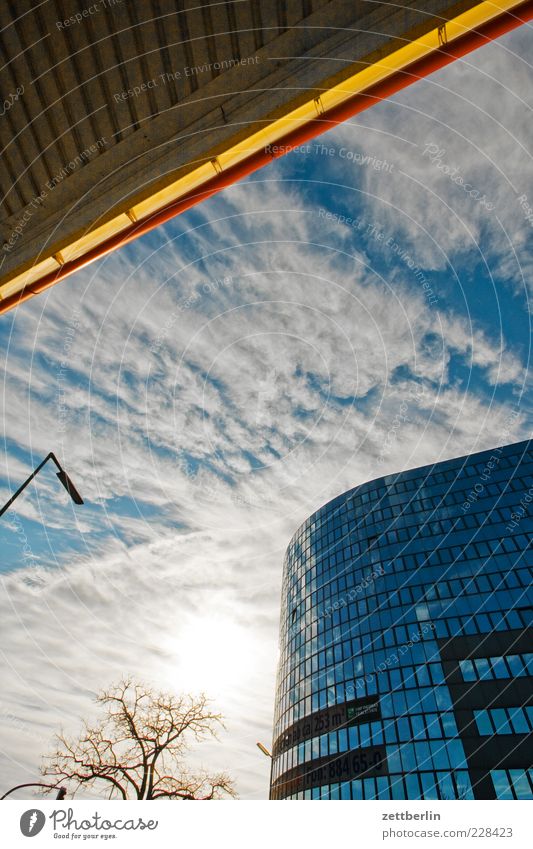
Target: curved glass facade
406	651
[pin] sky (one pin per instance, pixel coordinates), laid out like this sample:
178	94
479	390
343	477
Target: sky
358	307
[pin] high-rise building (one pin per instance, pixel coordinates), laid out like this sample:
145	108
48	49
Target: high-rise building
406	666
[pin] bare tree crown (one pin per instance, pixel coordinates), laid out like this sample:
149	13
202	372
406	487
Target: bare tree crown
138	747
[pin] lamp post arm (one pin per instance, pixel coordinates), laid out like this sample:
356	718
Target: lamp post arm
61	790
8	504
53	457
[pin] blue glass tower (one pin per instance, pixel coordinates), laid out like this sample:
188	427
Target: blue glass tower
406	638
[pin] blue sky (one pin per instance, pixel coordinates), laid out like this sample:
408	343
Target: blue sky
212	384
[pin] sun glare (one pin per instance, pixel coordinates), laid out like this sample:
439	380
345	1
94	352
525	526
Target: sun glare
213	654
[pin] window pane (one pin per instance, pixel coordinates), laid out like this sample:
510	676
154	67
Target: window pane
501	784
393	759
457	754
440	755
428	786
345	790
404	732
397	788
419	727
528	663
413	786
383	790
499	667
377	733
463	785
518	720
483	723
433	725
343	740
357	789
408	758
446	787
515	665
483	668
501	723
369	786
353	737
448	722
521	784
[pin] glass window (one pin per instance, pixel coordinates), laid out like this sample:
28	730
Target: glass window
445	783
449	725
520	784
483	668
422	675
345	790
456	753
397	787
404	732
396	680
377	733
413	700
437	675
353	737
413	786
483	723
390	732
516	620
515	665
393	759
499	667
419	727
357	789
364	734
335	791
439	754
443	698
399	703
386	706
369	788
501	723
518	720
372	686
428	786
343	740
382	788
408	758
423	755
463	786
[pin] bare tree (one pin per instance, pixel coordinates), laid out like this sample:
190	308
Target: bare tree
138	747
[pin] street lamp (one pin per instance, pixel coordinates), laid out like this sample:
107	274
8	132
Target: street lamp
61	474
267	754
263	749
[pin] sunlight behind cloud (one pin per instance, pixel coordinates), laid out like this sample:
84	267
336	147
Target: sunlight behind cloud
212	649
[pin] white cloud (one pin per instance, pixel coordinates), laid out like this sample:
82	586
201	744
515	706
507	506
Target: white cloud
476	114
